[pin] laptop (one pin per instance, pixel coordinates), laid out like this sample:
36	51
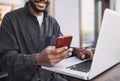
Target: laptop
107	53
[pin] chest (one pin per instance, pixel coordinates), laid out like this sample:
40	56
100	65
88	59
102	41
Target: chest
33	38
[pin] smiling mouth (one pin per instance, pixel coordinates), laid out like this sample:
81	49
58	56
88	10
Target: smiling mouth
41	6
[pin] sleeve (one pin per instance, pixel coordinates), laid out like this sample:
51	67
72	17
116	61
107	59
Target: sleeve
56	25
20	67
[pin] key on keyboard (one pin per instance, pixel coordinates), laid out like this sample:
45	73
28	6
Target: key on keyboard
84	66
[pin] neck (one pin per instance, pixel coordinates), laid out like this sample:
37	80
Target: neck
34	12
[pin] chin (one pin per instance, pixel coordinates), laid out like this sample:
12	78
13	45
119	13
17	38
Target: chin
40	10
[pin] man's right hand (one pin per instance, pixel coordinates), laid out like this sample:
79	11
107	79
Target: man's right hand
51	55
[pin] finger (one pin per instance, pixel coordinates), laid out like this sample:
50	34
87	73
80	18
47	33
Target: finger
64	54
70	54
90	53
83	56
70	49
61	49
93	51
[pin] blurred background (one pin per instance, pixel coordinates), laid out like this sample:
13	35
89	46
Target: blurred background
80	18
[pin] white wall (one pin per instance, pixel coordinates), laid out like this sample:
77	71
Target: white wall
67	14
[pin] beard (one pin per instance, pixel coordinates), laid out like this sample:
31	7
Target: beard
35	8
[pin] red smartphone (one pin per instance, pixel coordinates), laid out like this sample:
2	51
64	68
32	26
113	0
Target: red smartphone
64	41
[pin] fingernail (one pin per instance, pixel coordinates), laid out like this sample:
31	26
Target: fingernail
83	56
70	54
71	49
66	47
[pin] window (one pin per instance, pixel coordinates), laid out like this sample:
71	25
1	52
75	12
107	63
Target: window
87	22
8	5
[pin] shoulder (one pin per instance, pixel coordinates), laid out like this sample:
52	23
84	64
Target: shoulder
14	13
52	19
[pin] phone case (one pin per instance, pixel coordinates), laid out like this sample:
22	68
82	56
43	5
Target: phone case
63	41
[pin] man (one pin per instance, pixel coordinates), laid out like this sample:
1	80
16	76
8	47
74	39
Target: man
27	39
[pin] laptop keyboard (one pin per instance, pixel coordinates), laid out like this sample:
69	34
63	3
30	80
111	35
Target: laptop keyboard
83	66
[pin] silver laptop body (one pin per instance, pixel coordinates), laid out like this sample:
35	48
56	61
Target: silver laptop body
107	52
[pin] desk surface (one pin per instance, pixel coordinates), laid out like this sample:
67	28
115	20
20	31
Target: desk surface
113	74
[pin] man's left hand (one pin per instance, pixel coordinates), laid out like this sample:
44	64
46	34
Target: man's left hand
83	53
